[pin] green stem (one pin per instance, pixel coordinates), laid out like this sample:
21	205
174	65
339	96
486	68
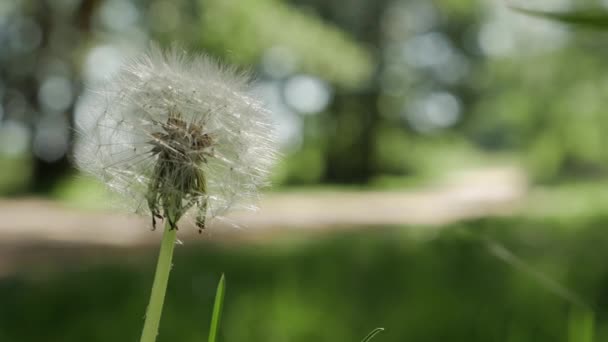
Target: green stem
159	287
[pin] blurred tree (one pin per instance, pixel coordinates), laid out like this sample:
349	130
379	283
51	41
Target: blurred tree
40	79
317	48
243	32
366	89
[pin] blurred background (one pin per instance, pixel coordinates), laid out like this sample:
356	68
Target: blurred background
443	174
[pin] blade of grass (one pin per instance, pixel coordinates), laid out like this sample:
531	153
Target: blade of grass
596	19
372	334
581	325
217	309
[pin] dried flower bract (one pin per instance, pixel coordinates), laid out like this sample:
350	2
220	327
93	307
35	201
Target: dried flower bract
174	134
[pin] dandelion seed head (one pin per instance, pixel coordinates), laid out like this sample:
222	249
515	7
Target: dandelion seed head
178	132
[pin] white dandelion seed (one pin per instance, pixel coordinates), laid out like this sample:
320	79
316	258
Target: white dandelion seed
176	134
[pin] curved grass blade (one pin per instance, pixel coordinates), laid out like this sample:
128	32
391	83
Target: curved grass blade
217	309
596	19
372	334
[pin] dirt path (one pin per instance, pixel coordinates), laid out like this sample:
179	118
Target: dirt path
492	191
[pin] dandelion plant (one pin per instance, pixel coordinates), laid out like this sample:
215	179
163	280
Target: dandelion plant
179	137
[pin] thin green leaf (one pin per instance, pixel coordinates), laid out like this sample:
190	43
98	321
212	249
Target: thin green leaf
581	325
597	19
217	309
372	334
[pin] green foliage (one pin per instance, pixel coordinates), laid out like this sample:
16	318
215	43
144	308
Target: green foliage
592	18
419	286
560	131
581	326
304	167
570	202
217	309
544	106
15	175
241	31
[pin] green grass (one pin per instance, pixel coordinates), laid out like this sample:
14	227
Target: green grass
15	175
337	287
567	201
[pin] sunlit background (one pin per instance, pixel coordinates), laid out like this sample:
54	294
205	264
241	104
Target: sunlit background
444	174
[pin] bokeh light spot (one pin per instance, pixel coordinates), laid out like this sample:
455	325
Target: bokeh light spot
14	138
51	138
307	94
118	15
55	93
435	111
101	62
